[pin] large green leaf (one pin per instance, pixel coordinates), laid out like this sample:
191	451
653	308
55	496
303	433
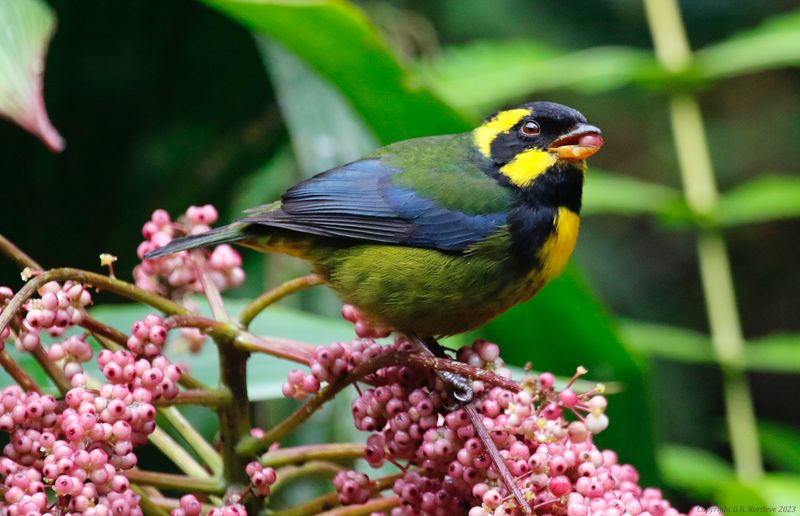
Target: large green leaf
781	444
773	494
490	73
694	471
773	44
325	132
25	30
337	40
765	198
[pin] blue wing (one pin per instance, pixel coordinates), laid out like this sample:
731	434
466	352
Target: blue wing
358	201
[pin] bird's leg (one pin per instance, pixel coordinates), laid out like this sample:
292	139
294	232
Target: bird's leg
458	386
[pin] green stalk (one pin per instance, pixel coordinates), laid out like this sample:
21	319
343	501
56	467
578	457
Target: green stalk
193	437
700	189
177	454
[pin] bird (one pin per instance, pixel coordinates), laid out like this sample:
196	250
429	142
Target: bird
435	236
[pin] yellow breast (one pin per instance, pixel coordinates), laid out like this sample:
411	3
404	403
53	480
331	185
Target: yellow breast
558	247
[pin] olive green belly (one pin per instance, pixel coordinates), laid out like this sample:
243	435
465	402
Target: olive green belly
421	290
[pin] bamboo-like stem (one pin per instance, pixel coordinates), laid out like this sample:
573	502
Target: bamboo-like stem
176	482
372	506
193	437
250	446
700	189
16	372
270	297
177	454
8	248
311	452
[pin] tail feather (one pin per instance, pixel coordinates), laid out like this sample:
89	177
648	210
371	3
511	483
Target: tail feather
230	233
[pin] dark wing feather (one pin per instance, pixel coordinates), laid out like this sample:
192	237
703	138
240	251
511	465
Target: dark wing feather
358	201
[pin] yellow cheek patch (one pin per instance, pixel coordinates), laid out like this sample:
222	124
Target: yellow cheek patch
557	249
527	165
500	123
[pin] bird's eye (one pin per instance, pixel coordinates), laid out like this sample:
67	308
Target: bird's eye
529	128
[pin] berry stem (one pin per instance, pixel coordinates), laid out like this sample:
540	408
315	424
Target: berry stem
116	286
17	255
211	398
270	297
287	349
326	502
211	291
375	505
499	464
313	469
16	372
311	452
179	456
176	482
52	369
193	437
149	506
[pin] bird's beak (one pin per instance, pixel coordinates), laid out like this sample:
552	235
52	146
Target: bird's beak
578	144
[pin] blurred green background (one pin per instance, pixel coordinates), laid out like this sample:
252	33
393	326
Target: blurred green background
167	104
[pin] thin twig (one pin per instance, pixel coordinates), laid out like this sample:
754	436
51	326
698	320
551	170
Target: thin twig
8	248
499	464
211	398
319	469
250	446
311	452
16	372
270	297
177	454
372	506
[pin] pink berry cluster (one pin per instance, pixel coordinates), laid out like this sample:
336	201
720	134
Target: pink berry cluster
364	327
78	453
331	362
143	372
75	352
261	478
353	487
446	468
191	506
177	275
58	308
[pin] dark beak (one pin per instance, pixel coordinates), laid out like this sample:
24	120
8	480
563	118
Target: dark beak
578	144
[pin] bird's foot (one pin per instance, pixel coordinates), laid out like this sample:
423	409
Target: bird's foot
459	388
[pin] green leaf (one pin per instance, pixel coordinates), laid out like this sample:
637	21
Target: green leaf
337	40
486	74
772	494
774	353
763	199
668	342
265	374
608	193
26	27
325	131
773	44
781	444
695	471
779	353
